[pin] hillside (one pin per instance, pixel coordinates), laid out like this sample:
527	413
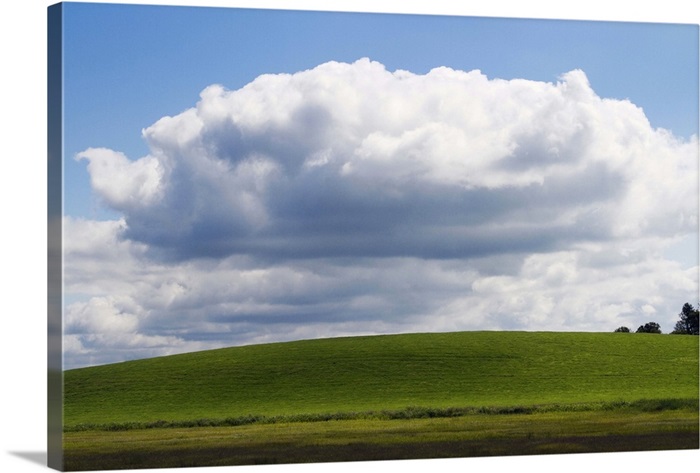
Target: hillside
386	372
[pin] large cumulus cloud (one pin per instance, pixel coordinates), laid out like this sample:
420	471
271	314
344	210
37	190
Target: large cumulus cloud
349	199
355	160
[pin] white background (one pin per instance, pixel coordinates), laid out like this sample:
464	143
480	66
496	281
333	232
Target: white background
23	229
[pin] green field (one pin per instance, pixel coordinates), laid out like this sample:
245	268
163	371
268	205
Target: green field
374	388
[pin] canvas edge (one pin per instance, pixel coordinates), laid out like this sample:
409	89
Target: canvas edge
54	236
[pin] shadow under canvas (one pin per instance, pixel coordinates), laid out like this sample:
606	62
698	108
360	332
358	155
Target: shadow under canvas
34	457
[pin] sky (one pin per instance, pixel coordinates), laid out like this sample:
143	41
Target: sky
237	176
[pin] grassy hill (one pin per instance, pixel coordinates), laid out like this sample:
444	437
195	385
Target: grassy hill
374	373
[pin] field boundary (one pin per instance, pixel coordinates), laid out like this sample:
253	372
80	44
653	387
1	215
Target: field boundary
410	412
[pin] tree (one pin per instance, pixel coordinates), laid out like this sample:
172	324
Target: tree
622	329
688	323
649	327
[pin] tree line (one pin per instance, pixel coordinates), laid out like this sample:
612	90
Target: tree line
686	325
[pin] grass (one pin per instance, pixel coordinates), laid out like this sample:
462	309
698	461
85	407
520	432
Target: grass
411	412
628	428
369	374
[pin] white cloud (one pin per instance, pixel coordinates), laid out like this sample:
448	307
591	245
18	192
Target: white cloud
269	169
350	199
123	184
101	315
138	308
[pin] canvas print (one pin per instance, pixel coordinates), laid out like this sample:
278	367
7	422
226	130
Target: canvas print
285	236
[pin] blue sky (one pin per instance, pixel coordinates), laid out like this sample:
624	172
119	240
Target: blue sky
246	176
128	65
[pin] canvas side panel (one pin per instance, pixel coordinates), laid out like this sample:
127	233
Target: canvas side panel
55	243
